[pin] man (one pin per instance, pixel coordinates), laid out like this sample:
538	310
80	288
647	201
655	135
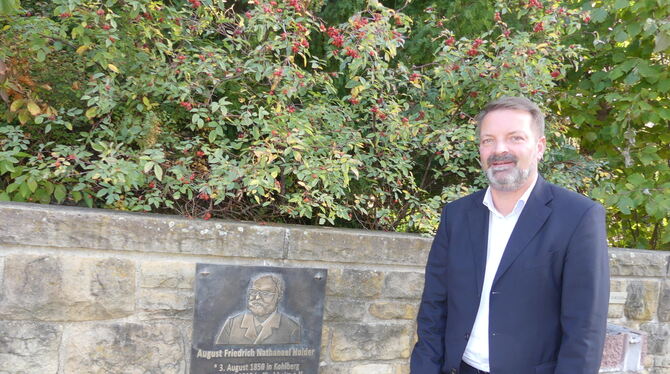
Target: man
263	323
517	279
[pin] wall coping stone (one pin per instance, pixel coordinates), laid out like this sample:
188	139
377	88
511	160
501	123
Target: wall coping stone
103	229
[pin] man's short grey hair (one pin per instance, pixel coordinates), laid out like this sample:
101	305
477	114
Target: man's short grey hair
514	103
276	279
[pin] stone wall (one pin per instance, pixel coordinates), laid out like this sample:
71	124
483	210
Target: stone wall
92	291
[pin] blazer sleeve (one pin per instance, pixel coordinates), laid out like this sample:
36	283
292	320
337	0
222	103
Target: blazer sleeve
585	296
428	354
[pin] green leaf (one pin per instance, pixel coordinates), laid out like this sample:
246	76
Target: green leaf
620	4
632	78
661	42
158	171
4	196
621	36
113	68
9	7
625	204
60	192
598	15
16	105
33	108
32	184
90	113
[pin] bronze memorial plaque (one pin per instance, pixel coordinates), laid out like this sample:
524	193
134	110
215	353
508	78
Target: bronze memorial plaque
257	320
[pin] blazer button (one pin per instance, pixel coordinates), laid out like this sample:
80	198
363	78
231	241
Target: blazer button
467	336
453	371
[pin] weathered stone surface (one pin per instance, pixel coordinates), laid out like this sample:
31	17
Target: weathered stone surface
29	347
370	341
635	262
167	274
664	302
402	369
393	310
51	288
618	298
662	361
124	347
157	303
642	299
342	310
335	369
658	338
43	225
354	283
403	285
373	369
2	272
342	245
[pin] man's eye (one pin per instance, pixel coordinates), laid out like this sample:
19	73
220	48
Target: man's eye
487	141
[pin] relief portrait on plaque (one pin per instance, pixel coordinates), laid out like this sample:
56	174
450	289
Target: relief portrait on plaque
262	322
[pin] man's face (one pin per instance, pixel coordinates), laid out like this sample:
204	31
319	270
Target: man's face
263	297
509	149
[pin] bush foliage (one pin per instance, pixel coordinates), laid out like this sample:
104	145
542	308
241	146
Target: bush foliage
348	113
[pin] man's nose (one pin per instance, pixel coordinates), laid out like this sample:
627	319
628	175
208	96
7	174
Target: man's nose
501	148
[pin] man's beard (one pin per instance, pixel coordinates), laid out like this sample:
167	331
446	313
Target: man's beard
507	179
260	308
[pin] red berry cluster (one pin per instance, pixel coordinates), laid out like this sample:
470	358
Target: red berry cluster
336	35
538	27
450	41
195	3
296	5
352	53
535	4
360	22
186	105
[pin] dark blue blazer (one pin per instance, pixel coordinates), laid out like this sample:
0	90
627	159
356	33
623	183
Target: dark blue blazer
548	302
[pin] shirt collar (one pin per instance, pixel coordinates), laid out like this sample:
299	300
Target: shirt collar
488	200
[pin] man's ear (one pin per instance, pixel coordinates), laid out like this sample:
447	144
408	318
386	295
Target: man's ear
541	147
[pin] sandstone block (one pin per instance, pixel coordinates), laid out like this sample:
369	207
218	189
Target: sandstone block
157	303
635	262
342	310
354	283
615	311
658	338
124	347
664	302
370	342
43	225
345	245
51	288
642	299
403	285
394	310
29	347
372	369
167	274
334	369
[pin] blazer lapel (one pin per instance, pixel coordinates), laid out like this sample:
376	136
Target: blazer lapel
532	218
478	220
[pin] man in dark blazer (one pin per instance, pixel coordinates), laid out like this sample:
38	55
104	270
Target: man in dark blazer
517	279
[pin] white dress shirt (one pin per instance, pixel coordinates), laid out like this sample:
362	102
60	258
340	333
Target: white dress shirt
500	229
